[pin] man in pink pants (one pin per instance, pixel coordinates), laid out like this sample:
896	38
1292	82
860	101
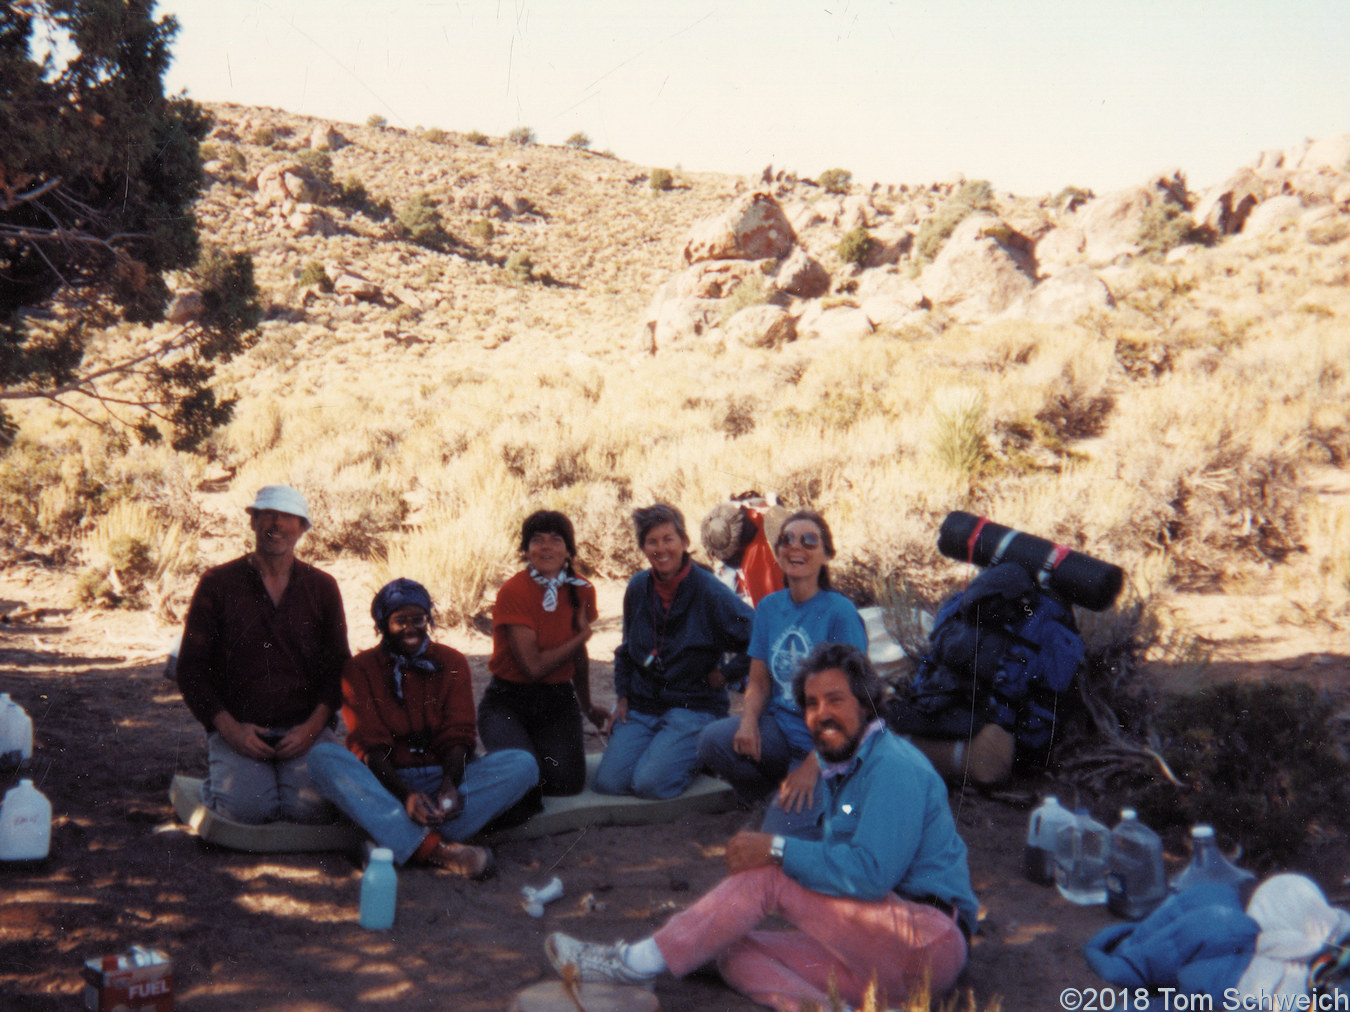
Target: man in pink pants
885	893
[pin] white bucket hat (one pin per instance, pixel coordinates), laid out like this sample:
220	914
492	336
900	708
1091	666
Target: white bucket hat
281	498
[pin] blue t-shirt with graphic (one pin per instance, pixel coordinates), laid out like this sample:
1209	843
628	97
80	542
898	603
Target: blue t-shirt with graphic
784	633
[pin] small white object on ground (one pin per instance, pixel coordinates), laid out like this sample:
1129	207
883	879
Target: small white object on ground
536	898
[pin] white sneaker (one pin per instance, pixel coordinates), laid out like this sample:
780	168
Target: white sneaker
593	961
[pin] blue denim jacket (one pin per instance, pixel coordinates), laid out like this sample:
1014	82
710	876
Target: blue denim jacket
888	827
706	620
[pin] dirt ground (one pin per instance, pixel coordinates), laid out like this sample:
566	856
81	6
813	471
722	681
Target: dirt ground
280	932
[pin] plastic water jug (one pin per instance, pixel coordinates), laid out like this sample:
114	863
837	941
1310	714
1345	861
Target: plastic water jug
1081	850
1038	859
1136	880
25	824
379	890
16	733
1209	865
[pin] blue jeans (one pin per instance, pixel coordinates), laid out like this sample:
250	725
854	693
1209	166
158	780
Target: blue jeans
255	791
780	752
492	784
651	756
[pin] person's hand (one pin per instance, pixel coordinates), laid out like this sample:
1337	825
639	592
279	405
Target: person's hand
746	740
716	679
619	715
748	850
448	793
797	792
583	623
423	809
246	739
298	740
598	716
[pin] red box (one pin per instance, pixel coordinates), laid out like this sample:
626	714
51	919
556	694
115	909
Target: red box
117	984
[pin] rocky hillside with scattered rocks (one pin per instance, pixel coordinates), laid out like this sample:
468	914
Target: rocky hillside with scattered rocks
435	238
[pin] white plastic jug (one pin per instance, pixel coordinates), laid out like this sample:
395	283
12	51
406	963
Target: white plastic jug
1136	880
25	824
1209	865
1038	859
16	732
1081	850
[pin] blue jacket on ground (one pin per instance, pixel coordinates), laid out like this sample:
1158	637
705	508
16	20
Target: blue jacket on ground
887	827
1198	942
664	659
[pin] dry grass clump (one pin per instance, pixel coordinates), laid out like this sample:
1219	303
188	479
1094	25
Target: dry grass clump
135	557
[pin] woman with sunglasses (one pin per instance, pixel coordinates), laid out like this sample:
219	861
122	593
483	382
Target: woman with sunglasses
768	748
540	670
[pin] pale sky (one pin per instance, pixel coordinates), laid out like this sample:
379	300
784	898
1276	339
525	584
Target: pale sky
1032	95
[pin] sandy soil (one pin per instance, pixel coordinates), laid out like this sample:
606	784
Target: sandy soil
273	933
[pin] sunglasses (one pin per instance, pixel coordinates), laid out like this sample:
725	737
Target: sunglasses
407	622
807	540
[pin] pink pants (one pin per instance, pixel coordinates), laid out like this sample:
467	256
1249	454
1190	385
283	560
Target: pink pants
905	945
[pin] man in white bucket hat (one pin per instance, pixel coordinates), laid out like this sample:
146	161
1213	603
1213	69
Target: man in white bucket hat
261	666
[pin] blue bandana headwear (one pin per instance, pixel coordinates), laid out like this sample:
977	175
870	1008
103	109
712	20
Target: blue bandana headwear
398	594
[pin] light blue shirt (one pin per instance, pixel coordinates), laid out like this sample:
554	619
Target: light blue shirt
785	633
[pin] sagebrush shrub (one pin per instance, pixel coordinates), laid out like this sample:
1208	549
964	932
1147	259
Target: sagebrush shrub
1165	226
482	230
419	222
522	135
377	121
520	266
972	195
476	139
435	136
660	179
315	276
855	245
835	180
579	141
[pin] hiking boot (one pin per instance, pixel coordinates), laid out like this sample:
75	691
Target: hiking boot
461	859
594	962
989	756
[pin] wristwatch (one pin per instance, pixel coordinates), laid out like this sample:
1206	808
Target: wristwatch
776	846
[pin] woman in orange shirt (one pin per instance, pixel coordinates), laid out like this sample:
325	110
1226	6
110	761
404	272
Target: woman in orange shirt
540	670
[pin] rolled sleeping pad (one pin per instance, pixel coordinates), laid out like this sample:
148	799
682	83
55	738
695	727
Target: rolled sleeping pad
1083	580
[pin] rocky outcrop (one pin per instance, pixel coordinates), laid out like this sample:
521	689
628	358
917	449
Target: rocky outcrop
762	327
1223	208
1065	297
284	180
1273	214
802	275
833	323
1111	222
983	268
753	228
324	138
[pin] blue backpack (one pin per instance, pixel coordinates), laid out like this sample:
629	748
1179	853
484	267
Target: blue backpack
1001	651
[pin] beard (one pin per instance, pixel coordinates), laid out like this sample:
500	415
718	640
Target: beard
845	751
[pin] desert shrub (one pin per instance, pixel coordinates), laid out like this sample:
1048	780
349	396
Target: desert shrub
351	194
855	245
1264	763
134	558
739	417
419	222
1070	198
522	135
754	290
353	519
377	121
660	179
435	136
960	435
520	266
1164	226
315	276
835	180
264	136
482	230
579	141
972	195
477	139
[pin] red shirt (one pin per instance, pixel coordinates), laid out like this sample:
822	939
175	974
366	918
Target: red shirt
760	574
438	704
521	602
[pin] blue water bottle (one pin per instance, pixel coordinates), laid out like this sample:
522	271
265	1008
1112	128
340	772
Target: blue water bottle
379	891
